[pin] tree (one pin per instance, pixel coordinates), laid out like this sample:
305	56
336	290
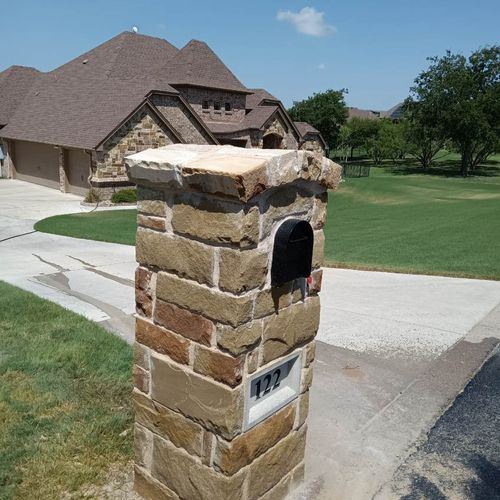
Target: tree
325	111
361	130
459	99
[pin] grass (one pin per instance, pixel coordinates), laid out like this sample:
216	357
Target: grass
405	222
64	399
116	226
398	220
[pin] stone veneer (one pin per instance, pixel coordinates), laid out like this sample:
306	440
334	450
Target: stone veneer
207	317
143	130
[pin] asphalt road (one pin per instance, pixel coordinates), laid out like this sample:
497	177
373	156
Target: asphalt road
461	458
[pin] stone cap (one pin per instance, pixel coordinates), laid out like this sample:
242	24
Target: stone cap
228	170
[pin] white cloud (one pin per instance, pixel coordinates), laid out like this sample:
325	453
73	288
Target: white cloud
321	66
308	21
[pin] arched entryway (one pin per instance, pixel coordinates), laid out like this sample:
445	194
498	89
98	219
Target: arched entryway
272	141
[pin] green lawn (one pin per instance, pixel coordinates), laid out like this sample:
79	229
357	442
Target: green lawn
395	220
117	226
65	386
416	223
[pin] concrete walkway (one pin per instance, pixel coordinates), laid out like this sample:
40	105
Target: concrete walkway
393	350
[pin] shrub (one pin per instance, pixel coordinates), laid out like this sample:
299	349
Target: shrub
125	196
92	196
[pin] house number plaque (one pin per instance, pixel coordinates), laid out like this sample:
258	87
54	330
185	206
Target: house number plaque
271	388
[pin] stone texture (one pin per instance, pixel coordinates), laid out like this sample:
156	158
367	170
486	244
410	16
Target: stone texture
141	356
310	353
152	207
319	213
183	433
229	171
278	492
318	249
191	479
151	489
240	339
253	360
143	292
215	305
271	300
215	406
289	328
240	271
273	465
141	378
155	223
185	323
232	456
182	256
306	379
316	282
216	221
303	409
143	446
297	476
284	202
212	363
162	341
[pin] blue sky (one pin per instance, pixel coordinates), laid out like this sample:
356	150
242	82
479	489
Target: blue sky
374	48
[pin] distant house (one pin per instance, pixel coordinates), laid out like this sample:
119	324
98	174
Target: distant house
395	113
70	128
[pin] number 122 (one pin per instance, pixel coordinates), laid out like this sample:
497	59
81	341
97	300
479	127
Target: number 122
267	381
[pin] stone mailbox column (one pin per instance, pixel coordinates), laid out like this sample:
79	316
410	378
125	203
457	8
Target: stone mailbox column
223	358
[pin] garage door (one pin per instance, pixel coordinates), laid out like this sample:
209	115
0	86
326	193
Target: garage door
78	169
38	163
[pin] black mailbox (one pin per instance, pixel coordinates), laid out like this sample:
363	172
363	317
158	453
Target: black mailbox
292	253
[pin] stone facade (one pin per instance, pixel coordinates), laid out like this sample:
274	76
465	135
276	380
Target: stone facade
141	131
311	142
207	317
278	127
181	119
196	96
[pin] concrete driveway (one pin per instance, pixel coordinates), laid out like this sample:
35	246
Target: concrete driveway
393	350
91	278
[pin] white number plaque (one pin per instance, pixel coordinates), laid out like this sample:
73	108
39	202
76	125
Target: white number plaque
271	388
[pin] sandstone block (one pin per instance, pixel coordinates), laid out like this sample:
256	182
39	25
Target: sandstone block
185	323
143	303
267	470
270	300
240	339
151	489
240	271
319	213
318	249
217	221
232	456
143	446
183	433
283	202
289	328
306	379
162	341
182	256
141	356
317	279
143	278
191	479
151	207
252	360
147	221
297	476
212	363
215	305
278	492
303	409
310	353
215	406
141	378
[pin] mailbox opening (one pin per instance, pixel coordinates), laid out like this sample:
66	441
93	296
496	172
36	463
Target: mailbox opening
292	253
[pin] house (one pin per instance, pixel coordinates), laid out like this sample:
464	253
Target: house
71	128
395	113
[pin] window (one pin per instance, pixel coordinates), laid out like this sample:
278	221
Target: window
217	106
227	106
205	105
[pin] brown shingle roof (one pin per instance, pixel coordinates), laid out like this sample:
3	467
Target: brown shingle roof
15	82
256	119
197	64
305	128
257	96
362	113
82	101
